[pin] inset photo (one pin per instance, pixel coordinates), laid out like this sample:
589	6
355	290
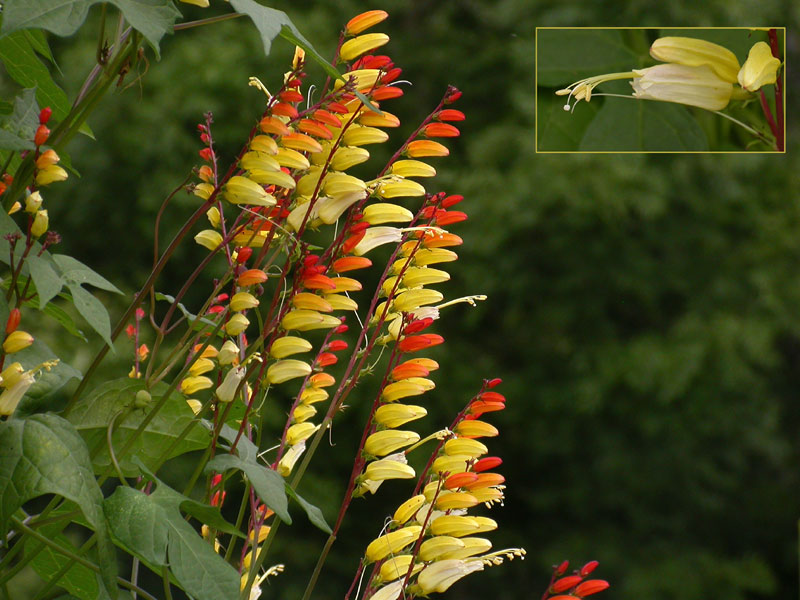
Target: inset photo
660	90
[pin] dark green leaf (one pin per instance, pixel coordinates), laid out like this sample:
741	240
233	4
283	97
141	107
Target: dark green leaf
246	449
643	126
47	281
564	56
95	411
24	67
77	272
43	454
197	323
91	309
19	128
152	528
272	23
268	484
560	130
64	320
314	513
153	18
39	43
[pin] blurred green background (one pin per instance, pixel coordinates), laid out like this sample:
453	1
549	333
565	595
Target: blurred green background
643	311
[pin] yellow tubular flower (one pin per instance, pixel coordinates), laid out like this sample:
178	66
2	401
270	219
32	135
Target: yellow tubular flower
408	509
396	567
292	159
450	464
360	135
344	284
203	190
381	470
308	183
476	428
227	389
454	525
212	214
339	302
14	392
439	576
310	301
348	156
195	405
16	341
265	144
385	212
312	395
760	68
472	546
330	209
694	86
405	188
413	386
413	299
259	161
389	592
412	168
287	462
33	202
241	190
47	158
385	442
450	500
200	366
485	524
50	174
432	256
373	119
208	238
288	345
190	385
419	276
436	547
243	301
465	446
364	21
303	413
377	236
236	324
362	44
300	432
284	370
340	184
301	142
693	52
41	222
395	415
278	178
392	542
228	353
306	320
488	494
364	79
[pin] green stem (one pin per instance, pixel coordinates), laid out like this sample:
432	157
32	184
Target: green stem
208	21
110	442
165	579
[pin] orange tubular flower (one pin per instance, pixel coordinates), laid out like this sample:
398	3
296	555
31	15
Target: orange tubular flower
251	277
364	21
460	480
351	263
484	464
422	148
386	92
315	128
415	343
273	125
408	369
450	114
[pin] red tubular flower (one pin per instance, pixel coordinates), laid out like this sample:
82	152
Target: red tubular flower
337	346
130	331
489	462
274	125
452	200
324	116
44	115
325	359
417	326
409	369
587	588
242	254
458	480
284	110
315	128
454	95
589	567
14	318
380	61
415	343
206	154
441	240
450	114
351	263
562	568
478	407
484	480
441	130
448	217
319	282
290	96
391	75
386	92
352	241
565	583
41	135
337	107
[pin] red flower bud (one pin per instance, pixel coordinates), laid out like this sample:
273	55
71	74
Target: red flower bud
414	343
337	107
326	359
454	95
285	110
487	463
13	320
44	115
290	96
206	154
341	329
387	92
337	345
565	583
450	114
130	331
139	314
417	326
560	569
441	130
587	588
310	260
492	396
42	133
589	567
494	382
242	254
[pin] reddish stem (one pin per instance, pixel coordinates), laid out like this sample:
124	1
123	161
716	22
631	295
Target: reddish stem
776	52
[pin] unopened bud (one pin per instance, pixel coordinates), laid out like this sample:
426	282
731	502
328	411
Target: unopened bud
142	399
45	114
16	341
13	320
33	203
42	133
40	224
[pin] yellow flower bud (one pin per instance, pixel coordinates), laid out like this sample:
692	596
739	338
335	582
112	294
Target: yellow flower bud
47	158
213	216
760	68
385	212
208	238
40	224
395	414
236	324
413	299
340	184
412	168
435	547
392	542
439	576
412	386
450	464
203	190
33	202
243	301
228	354
475	428
362	44
306	320
340	302
449	500
288	345
396	567
348	156
241	190
265	144
284	370
387	441
190	385
419	276
200	366
300	432
361	135
50	174
386	468
454	525
464	446
16	341
290	457
408	509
